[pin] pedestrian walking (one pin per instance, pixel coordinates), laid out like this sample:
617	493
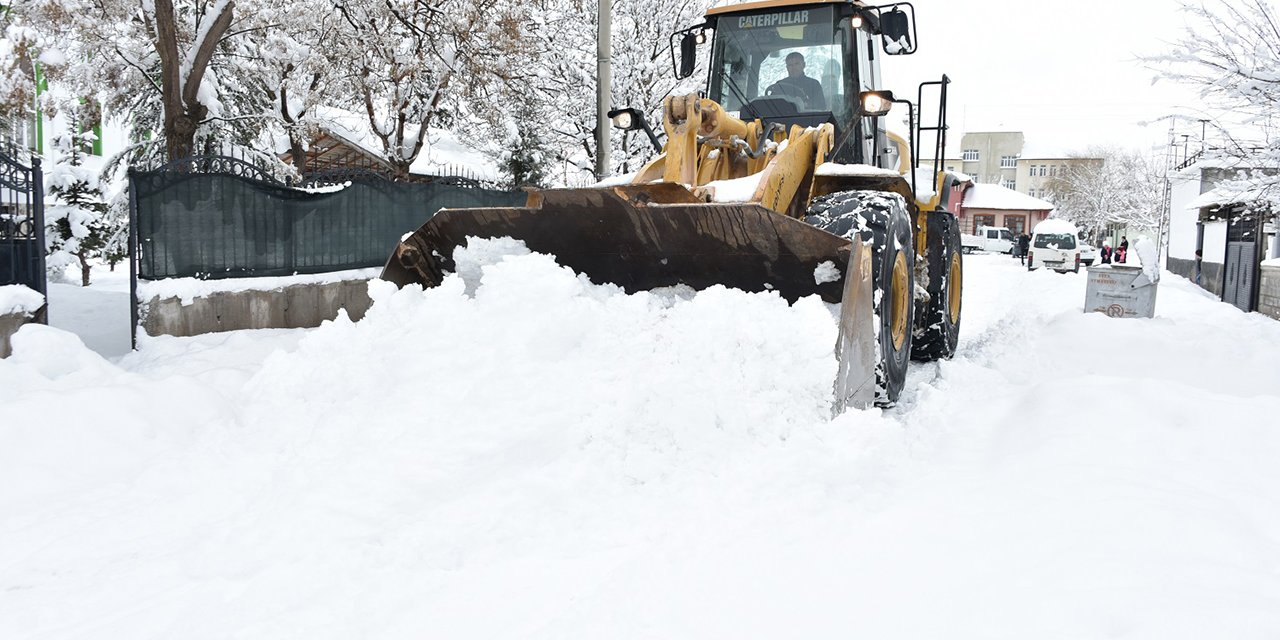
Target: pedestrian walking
1024	244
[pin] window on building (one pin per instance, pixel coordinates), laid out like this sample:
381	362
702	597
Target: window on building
1053	170
970	154
980	221
1017	224
1008	162
1043	169
1007	183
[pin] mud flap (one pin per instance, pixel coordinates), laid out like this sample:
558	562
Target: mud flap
856	345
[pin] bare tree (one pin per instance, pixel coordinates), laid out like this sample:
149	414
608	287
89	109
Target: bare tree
1108	186
406	62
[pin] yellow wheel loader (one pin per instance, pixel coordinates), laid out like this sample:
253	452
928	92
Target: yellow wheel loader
779	177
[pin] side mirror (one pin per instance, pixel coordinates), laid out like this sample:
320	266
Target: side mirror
897	32
688	54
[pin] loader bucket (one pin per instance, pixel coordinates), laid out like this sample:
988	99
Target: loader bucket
639	238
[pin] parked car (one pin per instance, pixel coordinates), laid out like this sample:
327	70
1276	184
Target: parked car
989	239
1088	254
1054	245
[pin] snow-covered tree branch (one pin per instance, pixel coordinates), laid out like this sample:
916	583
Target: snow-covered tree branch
1109	186
1231	53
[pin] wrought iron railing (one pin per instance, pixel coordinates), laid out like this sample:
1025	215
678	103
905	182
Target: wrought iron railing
21	218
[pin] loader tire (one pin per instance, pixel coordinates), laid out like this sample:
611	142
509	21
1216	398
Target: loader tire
937	328
881	218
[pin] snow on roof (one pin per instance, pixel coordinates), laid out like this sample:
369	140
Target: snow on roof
1056	225
1230	194
994	196
441	150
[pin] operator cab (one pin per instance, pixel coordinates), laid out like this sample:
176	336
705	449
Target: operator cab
781	65
803	64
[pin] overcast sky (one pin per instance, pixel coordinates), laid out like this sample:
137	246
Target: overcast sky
1064	73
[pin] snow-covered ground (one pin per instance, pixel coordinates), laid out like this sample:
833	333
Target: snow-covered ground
99	313
551	459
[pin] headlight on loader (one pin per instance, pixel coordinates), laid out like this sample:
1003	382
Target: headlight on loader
876	103
624	119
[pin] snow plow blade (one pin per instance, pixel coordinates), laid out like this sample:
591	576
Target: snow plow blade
643	237
639	238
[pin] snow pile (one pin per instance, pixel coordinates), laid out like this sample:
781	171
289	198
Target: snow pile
1148	257
735	190
520	453
16	298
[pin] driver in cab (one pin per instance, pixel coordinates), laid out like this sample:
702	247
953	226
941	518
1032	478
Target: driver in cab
801	86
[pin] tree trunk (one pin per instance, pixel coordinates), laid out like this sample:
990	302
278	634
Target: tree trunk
401	169
180	132
84	269
298	154
183	111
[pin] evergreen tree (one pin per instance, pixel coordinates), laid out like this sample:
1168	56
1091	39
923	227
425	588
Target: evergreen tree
78	226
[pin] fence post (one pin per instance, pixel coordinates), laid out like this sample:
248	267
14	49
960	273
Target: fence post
37	199
133	259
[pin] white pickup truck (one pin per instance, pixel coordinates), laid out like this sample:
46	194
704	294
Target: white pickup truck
989	239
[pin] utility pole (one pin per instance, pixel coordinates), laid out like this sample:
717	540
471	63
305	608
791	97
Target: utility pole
1166	197
604	90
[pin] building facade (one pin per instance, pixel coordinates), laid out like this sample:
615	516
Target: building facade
991	157
1233	231
991	205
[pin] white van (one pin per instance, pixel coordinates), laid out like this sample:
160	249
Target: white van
1054	245
989	239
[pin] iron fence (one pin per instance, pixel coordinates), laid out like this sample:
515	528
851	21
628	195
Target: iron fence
218	217
21	219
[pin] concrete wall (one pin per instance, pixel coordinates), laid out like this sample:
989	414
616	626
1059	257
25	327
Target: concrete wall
1211	273
296	306
1184	188
1269	292
9	325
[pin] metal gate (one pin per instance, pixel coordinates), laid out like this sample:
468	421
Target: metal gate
1237	286
1241	268
21	219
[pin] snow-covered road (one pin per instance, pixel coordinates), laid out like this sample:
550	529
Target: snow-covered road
531	456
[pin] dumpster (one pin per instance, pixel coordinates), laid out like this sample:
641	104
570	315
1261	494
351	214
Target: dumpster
1121	291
